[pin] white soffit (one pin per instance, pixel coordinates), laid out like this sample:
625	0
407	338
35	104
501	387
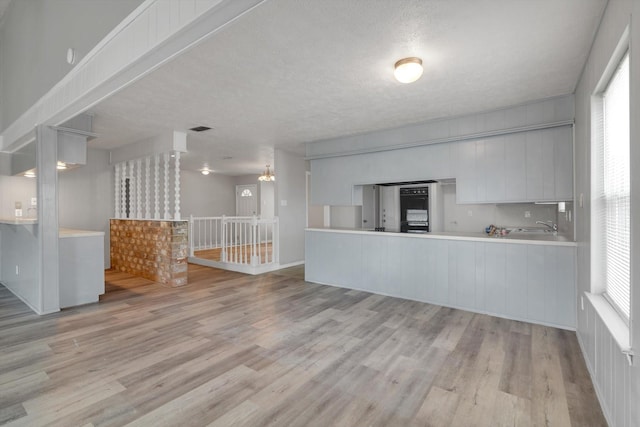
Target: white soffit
291	72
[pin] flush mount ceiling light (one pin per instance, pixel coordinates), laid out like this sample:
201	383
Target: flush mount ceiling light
408	70
267	175
71	56
205	171
30	173
61	166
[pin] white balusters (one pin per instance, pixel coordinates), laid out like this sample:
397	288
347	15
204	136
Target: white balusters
166	185
139	188
147	203
118	186
132	193
156	188
133	187
176	176
250	241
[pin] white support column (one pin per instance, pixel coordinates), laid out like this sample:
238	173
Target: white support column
48	295
156	186
166	185
132	193
139	188
176	206
116	184
147	202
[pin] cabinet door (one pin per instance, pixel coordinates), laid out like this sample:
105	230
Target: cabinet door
466	180
495	277
547	164
534	169
330	182
494	169
564	163
480	167
515	168
462	280
516	280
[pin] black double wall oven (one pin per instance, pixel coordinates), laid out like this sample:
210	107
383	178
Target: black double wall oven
414	210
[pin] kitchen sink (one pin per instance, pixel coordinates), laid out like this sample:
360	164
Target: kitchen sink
530	231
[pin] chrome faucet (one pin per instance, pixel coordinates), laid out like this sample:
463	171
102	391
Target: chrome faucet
553	226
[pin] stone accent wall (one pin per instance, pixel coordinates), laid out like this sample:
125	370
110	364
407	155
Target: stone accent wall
153	249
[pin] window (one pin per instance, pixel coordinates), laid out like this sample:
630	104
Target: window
611	190
246	193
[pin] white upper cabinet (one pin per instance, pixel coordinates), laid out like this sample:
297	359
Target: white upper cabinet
563	160
521	167
517	154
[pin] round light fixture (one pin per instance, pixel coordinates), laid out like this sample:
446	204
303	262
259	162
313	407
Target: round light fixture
205	172
61	166
408	70
71	56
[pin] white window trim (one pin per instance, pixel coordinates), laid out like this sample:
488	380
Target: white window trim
616	324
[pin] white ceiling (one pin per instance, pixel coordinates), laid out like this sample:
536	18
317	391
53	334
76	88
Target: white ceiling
293	71
3	7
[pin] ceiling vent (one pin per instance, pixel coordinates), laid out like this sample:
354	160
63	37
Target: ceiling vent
200	128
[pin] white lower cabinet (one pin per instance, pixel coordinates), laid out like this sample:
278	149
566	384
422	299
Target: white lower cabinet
529	282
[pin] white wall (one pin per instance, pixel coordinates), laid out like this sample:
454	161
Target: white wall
17	189
36	34
617	384
267	199
346	216
290	206
457	217
86	198
211	195
5	163
315	213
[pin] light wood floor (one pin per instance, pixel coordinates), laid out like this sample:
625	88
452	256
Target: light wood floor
239	252
272	350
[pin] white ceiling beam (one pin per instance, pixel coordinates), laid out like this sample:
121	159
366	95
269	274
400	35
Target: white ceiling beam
151	35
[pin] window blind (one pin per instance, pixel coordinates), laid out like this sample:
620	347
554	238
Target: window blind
612	204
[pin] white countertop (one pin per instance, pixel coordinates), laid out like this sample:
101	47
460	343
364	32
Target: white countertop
520	238
70	232
19	221
62	232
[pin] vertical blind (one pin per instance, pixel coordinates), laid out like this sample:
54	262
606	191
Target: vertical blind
613	187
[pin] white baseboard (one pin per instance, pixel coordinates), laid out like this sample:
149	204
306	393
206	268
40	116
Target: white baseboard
242	268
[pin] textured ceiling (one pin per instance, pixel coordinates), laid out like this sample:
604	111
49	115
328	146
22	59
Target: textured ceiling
3	6
293	71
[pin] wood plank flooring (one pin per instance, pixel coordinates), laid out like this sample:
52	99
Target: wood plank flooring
271	350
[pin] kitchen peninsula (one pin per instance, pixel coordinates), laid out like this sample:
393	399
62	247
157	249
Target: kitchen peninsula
81	262
528	278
